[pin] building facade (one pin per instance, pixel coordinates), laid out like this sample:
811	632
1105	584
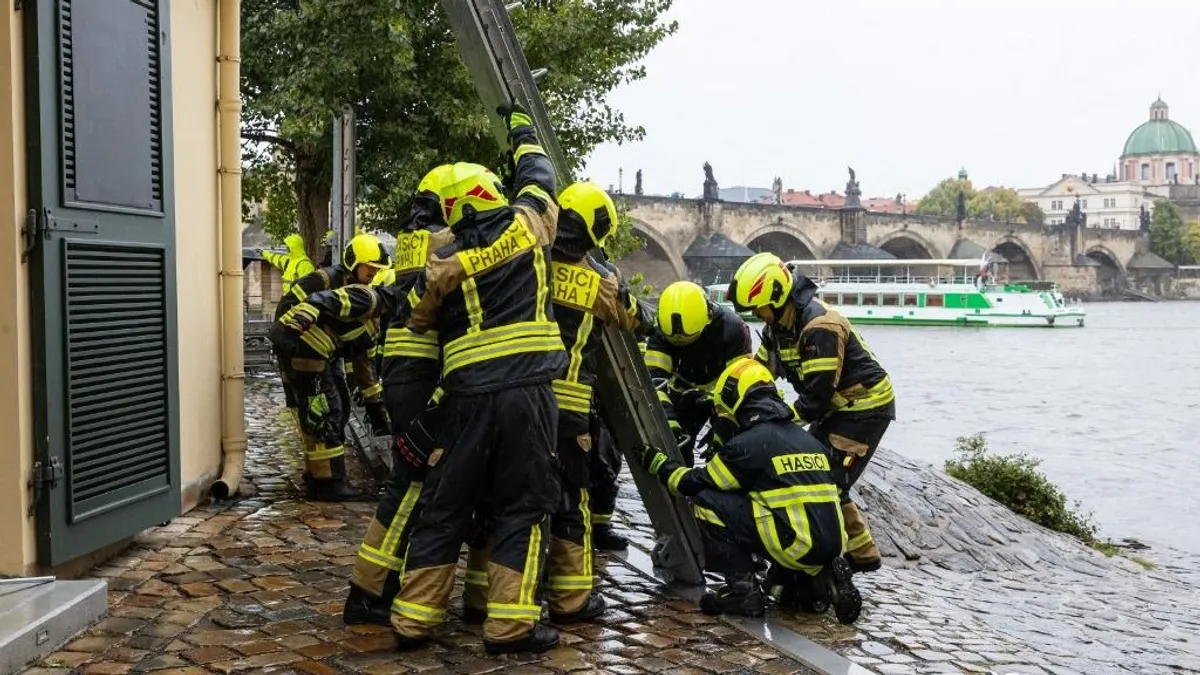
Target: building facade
1108	204
1159	152
122	295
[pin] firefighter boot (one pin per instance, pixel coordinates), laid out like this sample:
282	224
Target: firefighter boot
606	538
794	591
337	488
594	607
362	608
847	601
740	595
542	638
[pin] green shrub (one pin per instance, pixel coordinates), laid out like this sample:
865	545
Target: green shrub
1015	482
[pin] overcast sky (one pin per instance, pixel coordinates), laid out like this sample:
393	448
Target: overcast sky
906	92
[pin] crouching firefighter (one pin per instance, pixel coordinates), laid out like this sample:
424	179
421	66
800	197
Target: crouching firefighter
488	296
842	390
768	490
305	349
696	338
410	368
587	296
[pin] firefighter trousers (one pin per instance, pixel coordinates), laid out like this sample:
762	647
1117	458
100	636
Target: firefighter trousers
605	468
691	413
320	407
730	533
569	561
853	438
380	556
496	448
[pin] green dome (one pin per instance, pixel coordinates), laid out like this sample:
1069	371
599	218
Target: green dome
1159	136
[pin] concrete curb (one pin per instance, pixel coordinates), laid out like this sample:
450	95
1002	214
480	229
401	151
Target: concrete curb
771	632
37	619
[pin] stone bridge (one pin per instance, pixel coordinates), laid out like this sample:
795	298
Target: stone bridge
1087	261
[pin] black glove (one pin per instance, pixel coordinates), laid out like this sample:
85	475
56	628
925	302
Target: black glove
695	398
652	459
515	117
284	339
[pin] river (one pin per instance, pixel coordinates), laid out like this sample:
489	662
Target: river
1112	409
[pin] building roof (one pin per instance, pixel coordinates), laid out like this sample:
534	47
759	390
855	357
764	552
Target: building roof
1159	135
859	251
1149	261
716	246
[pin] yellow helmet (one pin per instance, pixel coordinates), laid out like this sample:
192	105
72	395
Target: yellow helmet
365	249
763	280
470	185
735	383
385	277
683	312
588	206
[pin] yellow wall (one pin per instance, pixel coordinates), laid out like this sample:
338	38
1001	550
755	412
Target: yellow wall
194	78
193	54
16	453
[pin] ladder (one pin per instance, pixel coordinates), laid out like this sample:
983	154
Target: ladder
627	399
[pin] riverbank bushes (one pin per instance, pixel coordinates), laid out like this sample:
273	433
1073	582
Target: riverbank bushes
1016	482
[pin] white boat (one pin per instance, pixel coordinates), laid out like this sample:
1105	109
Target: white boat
947	292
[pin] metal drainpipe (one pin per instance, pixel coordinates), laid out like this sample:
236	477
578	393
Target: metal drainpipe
229	203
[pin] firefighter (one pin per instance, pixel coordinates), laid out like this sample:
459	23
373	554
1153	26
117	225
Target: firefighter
294	264
305	350
488	296
842	390
696	338
768	490
605	475
410	366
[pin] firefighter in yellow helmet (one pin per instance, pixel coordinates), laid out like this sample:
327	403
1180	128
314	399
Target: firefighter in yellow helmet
768	490
694	341
305	352
410	368
488	296
294	263
842	390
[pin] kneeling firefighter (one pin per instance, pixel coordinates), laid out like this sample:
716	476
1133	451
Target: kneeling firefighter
410	368
305	352
696	338
768	490
841	387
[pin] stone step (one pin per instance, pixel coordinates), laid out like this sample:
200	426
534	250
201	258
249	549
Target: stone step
37	619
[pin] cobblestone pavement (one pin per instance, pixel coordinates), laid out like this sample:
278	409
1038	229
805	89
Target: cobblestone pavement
257	586
992	593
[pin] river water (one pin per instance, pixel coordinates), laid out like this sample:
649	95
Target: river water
1112	409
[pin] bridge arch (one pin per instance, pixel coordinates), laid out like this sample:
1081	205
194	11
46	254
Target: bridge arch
787	242
656	252
1111	275
1021	263
908	244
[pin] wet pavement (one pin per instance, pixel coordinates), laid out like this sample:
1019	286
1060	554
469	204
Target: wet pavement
256	586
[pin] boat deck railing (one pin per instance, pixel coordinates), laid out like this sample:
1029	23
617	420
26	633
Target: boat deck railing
908	279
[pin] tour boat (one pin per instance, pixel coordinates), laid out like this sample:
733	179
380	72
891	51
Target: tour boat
949	292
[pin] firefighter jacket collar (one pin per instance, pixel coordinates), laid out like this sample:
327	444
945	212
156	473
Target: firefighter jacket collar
759	407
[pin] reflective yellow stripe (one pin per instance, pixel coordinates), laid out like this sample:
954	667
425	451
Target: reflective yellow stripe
780	498
569	583
573	396
378	557
765	523
864	539
762	354
543	288
529	580
518	612
492	343
527	148
353	334
876	397
391	539
721	475
581	338
708	516
663	397
413	298
474	309
422	613
344	298
601	518
585	510
535	191
320	342
372	391
318	453
819	365
404	342
676	476
660	360
476	577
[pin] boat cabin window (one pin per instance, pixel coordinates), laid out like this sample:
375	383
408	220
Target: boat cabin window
870	299
910	300
849	299
827	298
891	299
932	300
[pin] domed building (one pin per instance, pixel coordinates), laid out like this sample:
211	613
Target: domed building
1160	151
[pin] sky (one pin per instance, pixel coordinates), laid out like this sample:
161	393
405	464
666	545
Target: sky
1017	91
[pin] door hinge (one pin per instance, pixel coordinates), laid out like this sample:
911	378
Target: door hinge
39	226
45	477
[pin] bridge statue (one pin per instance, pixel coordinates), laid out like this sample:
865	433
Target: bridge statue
1144	219
852	191
960	209
637	186
710	184
777	190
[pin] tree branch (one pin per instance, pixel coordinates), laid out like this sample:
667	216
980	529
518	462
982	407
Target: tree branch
262	137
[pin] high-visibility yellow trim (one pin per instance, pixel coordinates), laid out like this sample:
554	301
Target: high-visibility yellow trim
877	396
708	516
660	360
585	510
543	286
581	338
721	475
601	518
319	340
474	309
372	391
404	342
663	397
343	298
676	476
321	452
569	583
573	396
476	577
378	557
422	613
527	148
518	612
536	192
864	539
762	355
818	365
785	497
512	242
530	576
493	343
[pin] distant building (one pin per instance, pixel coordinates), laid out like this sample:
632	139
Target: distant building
1160	151
835	200
1108	203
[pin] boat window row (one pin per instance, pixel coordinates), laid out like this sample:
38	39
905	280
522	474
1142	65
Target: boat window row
881	299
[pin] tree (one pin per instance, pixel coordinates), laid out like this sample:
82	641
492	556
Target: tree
1167	232
998	204
1191	242
397	64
